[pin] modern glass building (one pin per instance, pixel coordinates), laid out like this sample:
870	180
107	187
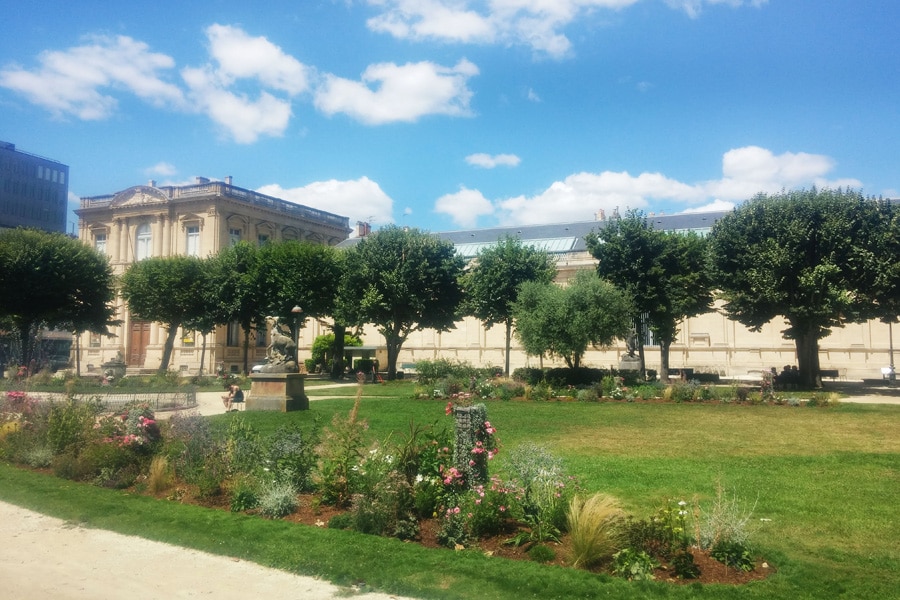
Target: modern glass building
34	190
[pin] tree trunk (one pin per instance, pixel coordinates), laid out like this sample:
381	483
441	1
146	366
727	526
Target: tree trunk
337	351
807	344
167	348
26	346
247	348
508	344
664	346
202	356
642	335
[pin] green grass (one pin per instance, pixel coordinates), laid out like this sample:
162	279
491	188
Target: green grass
825	481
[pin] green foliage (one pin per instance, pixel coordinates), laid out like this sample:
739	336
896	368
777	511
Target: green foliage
492	283
277	500
541	553
322	345
340	453
402	280
726	520
188	443
70	425
663	272
292	456
683	565
244	494
563	321
634	565
243	446
817	258
545	491
292	273
52	280
430	372
170	290
733	554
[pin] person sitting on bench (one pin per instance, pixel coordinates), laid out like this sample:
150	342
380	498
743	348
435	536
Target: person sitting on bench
235	395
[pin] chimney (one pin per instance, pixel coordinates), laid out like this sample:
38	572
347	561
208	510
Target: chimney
363	229
202	180
228	180
152	183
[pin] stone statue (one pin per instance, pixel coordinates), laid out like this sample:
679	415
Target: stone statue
282	351
631	342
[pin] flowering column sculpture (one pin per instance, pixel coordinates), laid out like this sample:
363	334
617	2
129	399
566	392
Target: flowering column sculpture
475	443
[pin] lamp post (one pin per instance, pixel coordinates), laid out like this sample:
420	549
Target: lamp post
892	375
297	311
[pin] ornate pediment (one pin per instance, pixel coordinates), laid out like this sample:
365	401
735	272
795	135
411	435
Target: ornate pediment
139	196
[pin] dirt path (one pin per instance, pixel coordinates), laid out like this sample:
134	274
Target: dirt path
46	558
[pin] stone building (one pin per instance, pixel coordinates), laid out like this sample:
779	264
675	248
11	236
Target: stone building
708	343
196	220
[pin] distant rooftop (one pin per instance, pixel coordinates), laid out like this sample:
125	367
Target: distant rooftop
561	238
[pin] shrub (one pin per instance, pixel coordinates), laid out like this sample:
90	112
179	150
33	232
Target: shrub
528	375
38	456
634	565
277	499
244	494
587	395
544	492
725	524
431	371
188	442
341	521
70	424
243	447
733	554
292	456
542	553
340	452
595	529
683	565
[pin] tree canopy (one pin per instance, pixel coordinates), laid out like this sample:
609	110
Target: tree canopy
170	291
237	284
492	283
809	256
564	320
51	280
665	273
401	280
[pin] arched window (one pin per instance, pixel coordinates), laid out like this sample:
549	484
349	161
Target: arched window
142	248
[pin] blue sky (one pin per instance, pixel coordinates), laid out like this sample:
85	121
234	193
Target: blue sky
453	114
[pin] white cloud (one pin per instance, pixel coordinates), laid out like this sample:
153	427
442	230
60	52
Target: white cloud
532	96
464	207
538	24
403	93
241	56
161	169
360	199
488	161
80	81
693	8
745	172
242	118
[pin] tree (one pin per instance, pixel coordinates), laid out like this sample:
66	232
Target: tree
805	255
300	274
167	290
51	280
402	280
238	289
665	273
564	320
492	284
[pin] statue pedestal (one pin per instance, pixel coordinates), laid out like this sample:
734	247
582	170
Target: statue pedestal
630	363
281	392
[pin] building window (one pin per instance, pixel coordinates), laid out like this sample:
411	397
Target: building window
234	236
193	240
100	243
262	239
142	248
233	337
94	340
261	337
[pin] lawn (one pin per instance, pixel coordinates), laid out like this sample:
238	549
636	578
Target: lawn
822	483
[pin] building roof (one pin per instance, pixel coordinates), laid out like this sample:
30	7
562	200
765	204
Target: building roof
560	238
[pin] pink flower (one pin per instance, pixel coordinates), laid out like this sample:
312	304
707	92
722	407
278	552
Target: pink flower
449	408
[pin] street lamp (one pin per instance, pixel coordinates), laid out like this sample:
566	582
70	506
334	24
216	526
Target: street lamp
297	311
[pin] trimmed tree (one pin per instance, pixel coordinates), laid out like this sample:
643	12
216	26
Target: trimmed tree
665	273
563	321
168	290
809	256
492	283
237	283
51	280
401	280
